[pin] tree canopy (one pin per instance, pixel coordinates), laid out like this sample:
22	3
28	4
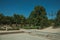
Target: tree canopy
38	17
57	20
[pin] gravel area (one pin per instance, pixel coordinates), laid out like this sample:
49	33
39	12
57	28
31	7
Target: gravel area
51	36
21	36
30	34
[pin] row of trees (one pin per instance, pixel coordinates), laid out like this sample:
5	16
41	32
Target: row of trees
38	17
15	19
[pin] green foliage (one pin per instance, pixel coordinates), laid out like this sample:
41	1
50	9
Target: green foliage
38	17
57	20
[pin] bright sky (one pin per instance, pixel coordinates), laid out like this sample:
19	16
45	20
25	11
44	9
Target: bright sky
24	7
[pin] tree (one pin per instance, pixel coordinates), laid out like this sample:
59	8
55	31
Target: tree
1	18
38	17
19	19
57	20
